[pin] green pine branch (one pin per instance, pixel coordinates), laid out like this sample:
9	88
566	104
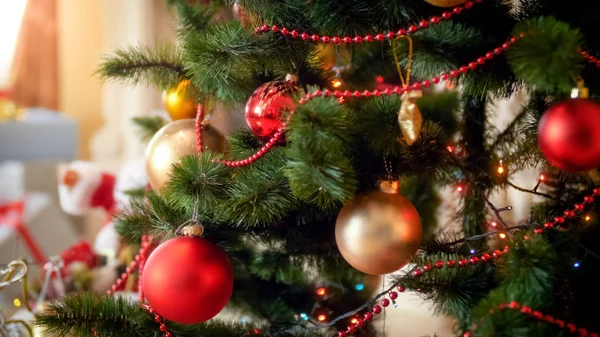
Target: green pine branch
148	126
85	313
160	66
318	165
193	16
548	57
229	62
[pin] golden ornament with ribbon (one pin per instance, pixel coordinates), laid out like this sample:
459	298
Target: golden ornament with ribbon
410	119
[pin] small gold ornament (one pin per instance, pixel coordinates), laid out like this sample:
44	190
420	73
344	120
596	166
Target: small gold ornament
409	116
174	141
180	102
379	231
445	3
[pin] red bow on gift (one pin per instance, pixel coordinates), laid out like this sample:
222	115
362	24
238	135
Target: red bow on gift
12	215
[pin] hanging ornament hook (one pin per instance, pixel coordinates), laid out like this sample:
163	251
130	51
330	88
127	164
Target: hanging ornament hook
405	81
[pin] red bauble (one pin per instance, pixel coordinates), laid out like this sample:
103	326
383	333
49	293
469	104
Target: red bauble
187	280
569	135
264	107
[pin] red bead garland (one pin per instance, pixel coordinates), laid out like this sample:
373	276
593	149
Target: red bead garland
591	59
390	35
132	267
143	258
540	316
162	327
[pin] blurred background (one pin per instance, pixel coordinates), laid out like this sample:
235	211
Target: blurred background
54	109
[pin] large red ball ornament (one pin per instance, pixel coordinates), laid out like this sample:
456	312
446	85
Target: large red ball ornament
569	135
187	280
264	107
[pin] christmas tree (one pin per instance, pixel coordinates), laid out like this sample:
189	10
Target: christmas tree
340	172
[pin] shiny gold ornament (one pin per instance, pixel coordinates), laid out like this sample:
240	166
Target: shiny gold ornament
180	102
409	117
378	232
174	141
446	3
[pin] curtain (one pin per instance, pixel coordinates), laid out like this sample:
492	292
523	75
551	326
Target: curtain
35	66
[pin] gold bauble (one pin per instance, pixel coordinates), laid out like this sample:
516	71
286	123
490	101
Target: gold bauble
174	141
446	3
180	102
378	232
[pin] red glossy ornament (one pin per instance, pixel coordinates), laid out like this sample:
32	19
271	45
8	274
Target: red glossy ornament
265	106
187	280
568	135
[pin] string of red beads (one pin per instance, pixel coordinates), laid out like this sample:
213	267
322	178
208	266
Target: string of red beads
260	153
559	221
473	260
120	283
143	258
162	326
591	59
540	316
423	24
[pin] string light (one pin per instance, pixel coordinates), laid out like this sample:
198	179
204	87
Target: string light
322	317
321	291
502	235
450	148
17	302
354	320
244	320
494	224
337	83
588	218
359	287
542	177
500	169
576	264
304	316
472	251
459	188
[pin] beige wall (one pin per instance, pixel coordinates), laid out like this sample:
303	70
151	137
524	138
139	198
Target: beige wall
87	29
81	39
